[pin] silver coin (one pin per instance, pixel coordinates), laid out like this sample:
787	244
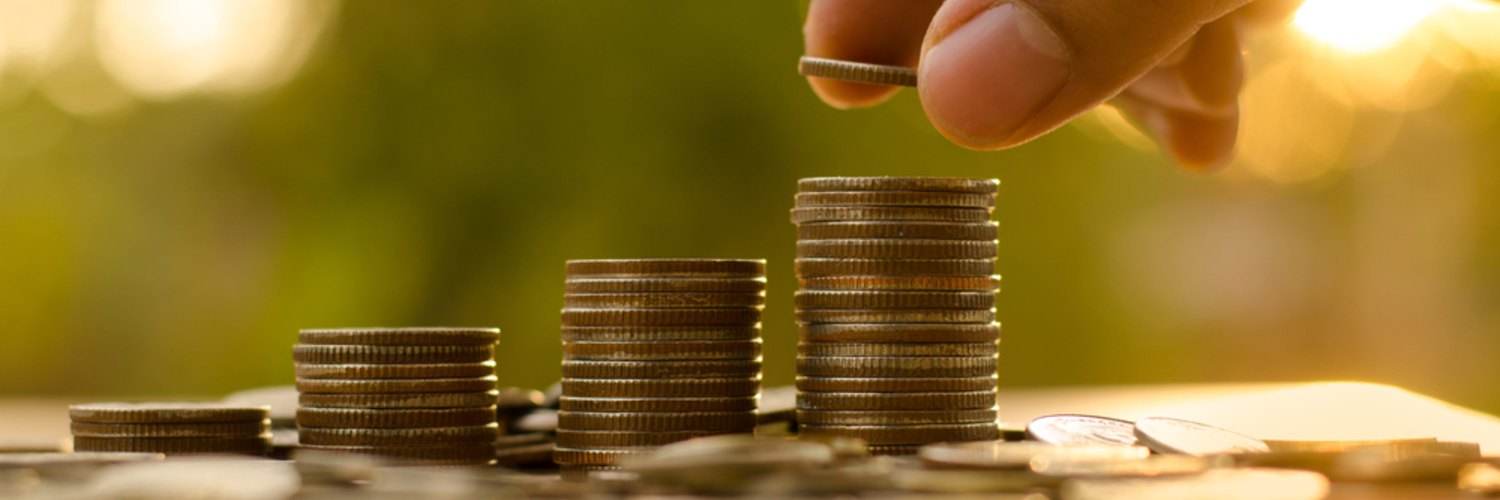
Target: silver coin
1175	435
1081	429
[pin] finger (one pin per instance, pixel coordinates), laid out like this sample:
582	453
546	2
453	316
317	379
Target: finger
1196	141
873	31
997	74
1205	81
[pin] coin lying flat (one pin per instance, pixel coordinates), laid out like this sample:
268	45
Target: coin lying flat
813	267
665	388
662	351
609	440
1174	435
902	283
401	336
213	429
679	404
845	316
580	473
1291	446
387	386
742	421
403	371
570	456
524	455
573	368
476	453
1150	466
659	333
894	199
898	249
388	354
874	74
423	436
896	384
663	268
893	367
666	285
1003	455
898	230
1223	484
917	332
397	401
1081	430
897	417
384	419
166	413
835	401
954	184
894	449
838	299
643	317
831	214
907	434
250	445
911	349
664	300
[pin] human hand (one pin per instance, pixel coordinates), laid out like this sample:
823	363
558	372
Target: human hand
994	74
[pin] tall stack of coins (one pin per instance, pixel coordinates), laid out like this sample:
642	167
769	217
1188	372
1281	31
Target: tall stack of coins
656	351
896	310
410	395
171	428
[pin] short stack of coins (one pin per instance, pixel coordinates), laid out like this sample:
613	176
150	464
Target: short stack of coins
171	428
409	395
656	351
895	306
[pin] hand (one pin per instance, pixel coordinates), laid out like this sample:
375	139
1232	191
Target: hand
994	74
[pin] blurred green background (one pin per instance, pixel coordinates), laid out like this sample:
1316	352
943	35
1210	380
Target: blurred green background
434	163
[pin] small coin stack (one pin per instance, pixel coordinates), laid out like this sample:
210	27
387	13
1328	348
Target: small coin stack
896	310
171	428
410	395
656	351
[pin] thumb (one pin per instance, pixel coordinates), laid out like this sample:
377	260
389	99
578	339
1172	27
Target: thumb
997	74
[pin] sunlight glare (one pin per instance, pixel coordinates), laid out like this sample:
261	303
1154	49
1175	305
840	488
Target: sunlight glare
1362	25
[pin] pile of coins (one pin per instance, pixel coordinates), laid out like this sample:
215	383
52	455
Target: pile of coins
896	310
412	395
171	428
654	352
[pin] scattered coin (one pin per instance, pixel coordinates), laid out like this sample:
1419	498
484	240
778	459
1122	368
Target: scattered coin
1151	466
387	386
401	336
952	184
523	455
391	418
898	349
213	429
845	316
914	332
1481	478
389	371
400	401
737	368
895	384
1173	435
835	214
542	420
814	267
665	285
661	388
898	230
907	434
1224	484
387	354
663	300
1003	455
645	317
1065	430
897	417
580	473
894	199
777	404
166	413
662	351
666	268
874	74
677	404
659	333
838	299
743	421
422	436
1287	446
896	366
969	400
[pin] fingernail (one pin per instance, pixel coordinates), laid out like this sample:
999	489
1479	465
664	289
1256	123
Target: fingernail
981	81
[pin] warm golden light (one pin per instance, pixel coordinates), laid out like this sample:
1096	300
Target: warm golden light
1362	25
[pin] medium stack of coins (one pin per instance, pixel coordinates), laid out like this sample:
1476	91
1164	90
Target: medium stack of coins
656	351
171	428
896	310
411	395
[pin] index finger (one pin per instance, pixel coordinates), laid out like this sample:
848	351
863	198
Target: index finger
886	32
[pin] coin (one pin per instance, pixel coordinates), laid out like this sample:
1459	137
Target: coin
386	419
916	332
214	429
812	267
832	214
395	401
390	354
523	455
894	449
898	230
663	300
843	401
741	403
423	436
902	283
475	453
832	299
1150	466
897	417
1081	430
894	199
905	349
914	366
1481	478
664	388
663	285
518	440
572	368
1173	435
777	404
658	333
643	317
388	386
1290	446
662	351
954	184
895	385
1221	484
607	440
906	434
845	316
608	421
874	74
570	456
1003	455
413	371
898	249
664	268
580	473
166	413
249	445
401	336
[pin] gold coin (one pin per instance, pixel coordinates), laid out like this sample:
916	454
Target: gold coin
166	413
211	429
388	386
391	354
898	349
570	456
663	300
832	214
902	283
424	436
662	351
898	249
844	401
929	332
821	316
906	434
660	317
573	368
954	184
243	445
670	404
667	268
614	440
401	336
452	454
394	418
525	455
901	230
894	449
433	370
894	199
580	473
811	267
837	299
659	333
874	74
908	417
663	388
396	401
666	285
742	421
894	384
892	366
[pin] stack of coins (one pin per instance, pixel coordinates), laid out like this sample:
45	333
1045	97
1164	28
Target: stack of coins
656	351
410	395
171	428
896	310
